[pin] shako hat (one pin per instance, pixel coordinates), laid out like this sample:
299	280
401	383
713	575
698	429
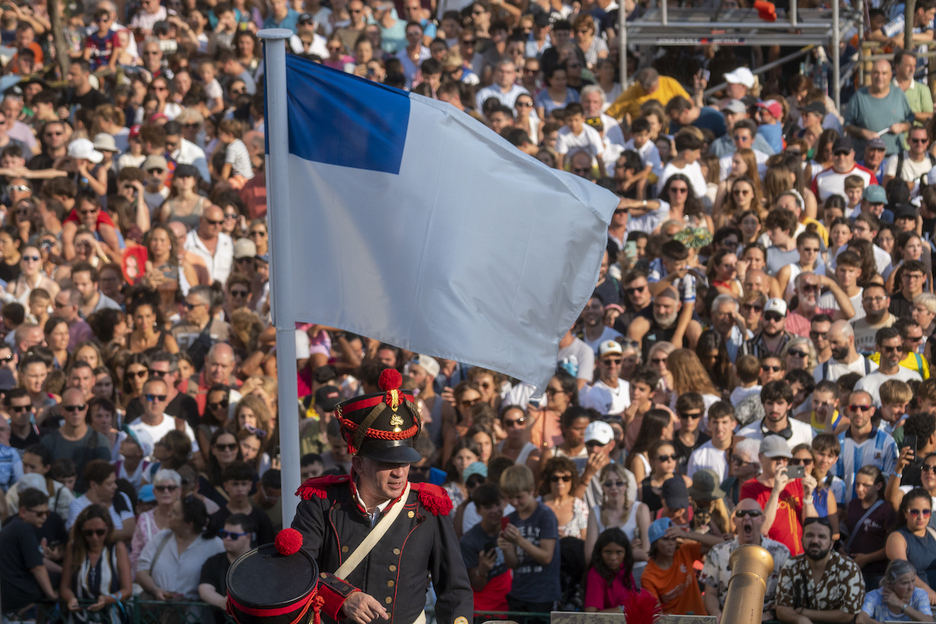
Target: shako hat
383	425
274	584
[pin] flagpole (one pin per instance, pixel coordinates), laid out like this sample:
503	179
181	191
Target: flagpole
277	184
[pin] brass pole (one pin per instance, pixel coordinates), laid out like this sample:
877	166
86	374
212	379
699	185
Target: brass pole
751	566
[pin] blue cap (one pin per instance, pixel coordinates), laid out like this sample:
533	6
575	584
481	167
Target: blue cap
146	494
263	258
475	468
658	528
875	194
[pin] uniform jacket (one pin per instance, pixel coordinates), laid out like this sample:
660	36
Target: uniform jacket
420	545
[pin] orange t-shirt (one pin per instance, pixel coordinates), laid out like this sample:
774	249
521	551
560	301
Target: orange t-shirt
677	588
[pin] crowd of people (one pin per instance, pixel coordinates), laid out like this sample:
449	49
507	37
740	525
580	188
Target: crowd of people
752	368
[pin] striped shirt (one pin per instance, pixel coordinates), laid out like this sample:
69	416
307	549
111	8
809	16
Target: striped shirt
879	449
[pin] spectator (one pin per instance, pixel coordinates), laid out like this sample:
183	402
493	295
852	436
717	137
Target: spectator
237	481
839	593
610	584
868	519
167	489
667	575
75	440
154	423
712	454
747	521
224	451
912	540
899	599
879	107
101	478
864	444
889	344
96	568
24	579
171	563
238	536
777	399
483	554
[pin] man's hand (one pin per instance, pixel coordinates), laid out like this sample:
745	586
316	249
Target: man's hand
780	480
868	134
904	459
596	461
487	559
363	608
161	594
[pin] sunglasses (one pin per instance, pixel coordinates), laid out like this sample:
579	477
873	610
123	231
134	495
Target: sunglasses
240	293
259	233
920	512
73	408
141	374
773	316
658	361
663	458
800	462
635	290
610	361
928	468
768	369
165	488
613	484
213	222
191	306
221	405
226	447
750	513
94	532
18	409
818	335
231	535
747	307
737	461
798	353
475	480
157	373
563	478
822	521
153	398
31	258
41	514
861	408
515	422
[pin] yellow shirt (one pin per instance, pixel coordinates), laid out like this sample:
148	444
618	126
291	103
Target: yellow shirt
629	102
820	229
913	361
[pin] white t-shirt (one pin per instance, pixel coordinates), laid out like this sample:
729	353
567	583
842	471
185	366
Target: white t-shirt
693	172
237	155
828	301
578	359
912	170
606	399
649	154
606	334
157	432
707	456
802	432
873	382
589	140
833	369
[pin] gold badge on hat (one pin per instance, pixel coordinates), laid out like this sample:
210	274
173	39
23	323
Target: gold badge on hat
396	421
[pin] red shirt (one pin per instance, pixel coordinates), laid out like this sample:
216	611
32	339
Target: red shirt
102	218
787	527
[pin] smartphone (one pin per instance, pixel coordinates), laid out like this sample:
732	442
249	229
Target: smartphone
796	472
630	249
504	522
706	74
911	441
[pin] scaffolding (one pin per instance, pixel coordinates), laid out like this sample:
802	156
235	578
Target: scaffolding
671	26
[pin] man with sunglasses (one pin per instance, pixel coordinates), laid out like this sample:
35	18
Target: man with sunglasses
890	345
609	394
912	336
154	421
75	439
773	335
239	534
213	245
164	365
23	433
863	444
808	288
747	520
24	578
913	165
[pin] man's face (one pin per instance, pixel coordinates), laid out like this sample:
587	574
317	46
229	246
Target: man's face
505	74
312	470
742	138
74	409
875	302
819	334
880	76
891	351
771	370
736	91
238	490
877	209
499	121
914	339
592	104
776	410
747	520
912	280
721	429
864	487
581	165
160	370
638	293
817	541
491	514
219	367
860	409
609	366
54	134
63	308
35	516
843	161
83	379
755	280
76	77
155	398
196	310
824	403
209	225
723	317
639	392
773	323
384	480
847	276
665	311
808	291
840	344
82	281
33	464
33	377
20	410
874	156
919	141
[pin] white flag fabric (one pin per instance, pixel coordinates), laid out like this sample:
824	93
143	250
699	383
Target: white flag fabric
414	224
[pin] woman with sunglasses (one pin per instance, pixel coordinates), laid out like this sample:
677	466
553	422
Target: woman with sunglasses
215	416
823	498
913	540
799	353
258	233
225	449
136	372
663	458
101	478
560	477
167	488
57	337
616	510
657	425
31	276
516	446
523	108
561	394
96	570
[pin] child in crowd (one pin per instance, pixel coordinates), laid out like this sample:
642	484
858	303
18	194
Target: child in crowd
65	472
826	451
208	72
771	123
610	583
101	46
236	156
748	367
487	568
39	302
649	154
530	543
577	135
237	481
895	397
854	188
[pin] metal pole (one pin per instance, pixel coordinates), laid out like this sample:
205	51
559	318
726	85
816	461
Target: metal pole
836	36
663	14
622	40
277	183
793	15
767	67
861	26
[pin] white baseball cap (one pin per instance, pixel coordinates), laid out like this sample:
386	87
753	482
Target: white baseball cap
742	75
776	305
84	150
610	346
599	431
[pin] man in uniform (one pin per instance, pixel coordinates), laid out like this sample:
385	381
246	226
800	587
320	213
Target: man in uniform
377	537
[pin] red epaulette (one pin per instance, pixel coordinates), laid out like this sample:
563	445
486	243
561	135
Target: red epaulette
316	486
435	499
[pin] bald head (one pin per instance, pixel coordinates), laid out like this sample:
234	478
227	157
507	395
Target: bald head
841	329
178	229
219	364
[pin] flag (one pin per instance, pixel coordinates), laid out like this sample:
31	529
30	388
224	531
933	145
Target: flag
414	224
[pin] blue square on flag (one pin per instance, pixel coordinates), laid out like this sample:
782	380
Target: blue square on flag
340	119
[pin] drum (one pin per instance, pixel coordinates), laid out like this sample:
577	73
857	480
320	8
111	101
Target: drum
267	587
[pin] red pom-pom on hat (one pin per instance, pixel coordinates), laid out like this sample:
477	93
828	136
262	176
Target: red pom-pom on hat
288	542
390	379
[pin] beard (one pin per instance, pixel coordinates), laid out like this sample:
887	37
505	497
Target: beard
839	354
816	553
665	321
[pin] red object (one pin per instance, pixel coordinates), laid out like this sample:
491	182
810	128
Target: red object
504	522
134	263
390	379
766	10
318	485
288	542
642	608
433	498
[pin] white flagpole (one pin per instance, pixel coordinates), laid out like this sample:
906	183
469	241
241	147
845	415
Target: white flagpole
282	282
